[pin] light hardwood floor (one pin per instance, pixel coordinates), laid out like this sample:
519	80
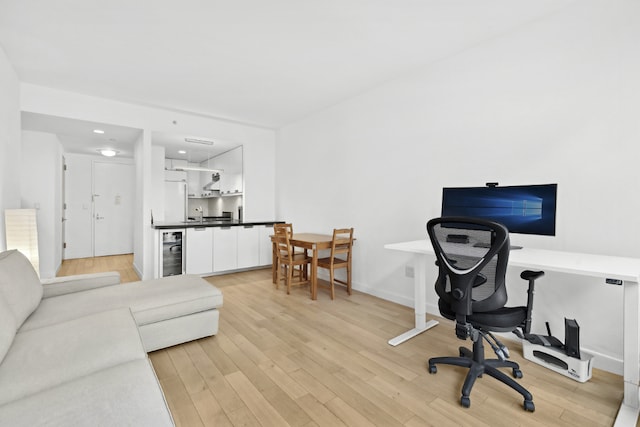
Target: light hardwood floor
285	360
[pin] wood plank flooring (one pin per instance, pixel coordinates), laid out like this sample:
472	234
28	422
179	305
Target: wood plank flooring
284	360
120	263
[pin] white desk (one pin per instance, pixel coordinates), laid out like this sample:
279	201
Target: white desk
625	269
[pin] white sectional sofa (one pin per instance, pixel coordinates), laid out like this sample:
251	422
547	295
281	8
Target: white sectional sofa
73	351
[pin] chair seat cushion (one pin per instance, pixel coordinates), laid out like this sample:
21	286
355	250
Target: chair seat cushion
504	319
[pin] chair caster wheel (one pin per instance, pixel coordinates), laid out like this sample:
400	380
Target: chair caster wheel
517	373
465	401
433	369
529	406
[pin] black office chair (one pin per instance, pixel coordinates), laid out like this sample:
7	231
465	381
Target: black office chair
472	257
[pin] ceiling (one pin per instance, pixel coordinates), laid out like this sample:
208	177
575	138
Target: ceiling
265	63
78	136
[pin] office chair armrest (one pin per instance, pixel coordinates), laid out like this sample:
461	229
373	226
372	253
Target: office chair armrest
531	275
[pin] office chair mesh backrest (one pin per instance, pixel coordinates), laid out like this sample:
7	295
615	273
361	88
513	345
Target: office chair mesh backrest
472	258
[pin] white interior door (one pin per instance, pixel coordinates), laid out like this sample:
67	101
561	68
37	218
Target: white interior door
113	192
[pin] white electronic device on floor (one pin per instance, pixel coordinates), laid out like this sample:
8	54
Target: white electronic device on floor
557	360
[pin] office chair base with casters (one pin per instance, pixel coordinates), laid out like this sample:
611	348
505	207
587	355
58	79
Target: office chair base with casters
478	365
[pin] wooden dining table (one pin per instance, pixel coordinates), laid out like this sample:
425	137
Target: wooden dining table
308	241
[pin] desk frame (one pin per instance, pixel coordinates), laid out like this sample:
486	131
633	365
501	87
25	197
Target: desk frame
607	267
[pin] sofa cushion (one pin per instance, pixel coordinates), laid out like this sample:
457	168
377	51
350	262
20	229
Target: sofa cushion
7	327
20	285
49	356
150	301
124	395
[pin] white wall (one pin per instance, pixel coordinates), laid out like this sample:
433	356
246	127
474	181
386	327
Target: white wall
555	102
41	188
10	153
147	163
258	145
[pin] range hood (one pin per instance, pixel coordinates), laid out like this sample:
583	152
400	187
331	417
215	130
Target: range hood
215	177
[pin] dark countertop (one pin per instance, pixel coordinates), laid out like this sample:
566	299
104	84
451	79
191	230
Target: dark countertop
210	223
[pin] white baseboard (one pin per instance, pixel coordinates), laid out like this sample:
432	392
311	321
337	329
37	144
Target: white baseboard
137	270
393	297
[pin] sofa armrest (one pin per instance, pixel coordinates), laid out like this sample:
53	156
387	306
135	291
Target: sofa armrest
80	282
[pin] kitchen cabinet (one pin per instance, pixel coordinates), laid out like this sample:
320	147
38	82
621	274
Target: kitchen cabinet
206	249
225	248
199	250
248	246
265	246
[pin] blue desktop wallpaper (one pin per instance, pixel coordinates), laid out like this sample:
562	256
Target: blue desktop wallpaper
529	209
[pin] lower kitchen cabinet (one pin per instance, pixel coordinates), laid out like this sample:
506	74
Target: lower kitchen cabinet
199	250
248	246
225	248
265	245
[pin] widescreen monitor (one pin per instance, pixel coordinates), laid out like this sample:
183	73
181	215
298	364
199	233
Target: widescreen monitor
523	209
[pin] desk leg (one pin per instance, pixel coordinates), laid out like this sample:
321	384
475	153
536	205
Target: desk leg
420	303
630	407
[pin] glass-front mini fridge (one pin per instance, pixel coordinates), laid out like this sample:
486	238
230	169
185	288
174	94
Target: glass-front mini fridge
172	254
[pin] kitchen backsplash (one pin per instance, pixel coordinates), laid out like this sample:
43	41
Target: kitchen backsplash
215	206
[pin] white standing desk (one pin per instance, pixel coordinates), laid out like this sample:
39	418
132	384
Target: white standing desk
607	267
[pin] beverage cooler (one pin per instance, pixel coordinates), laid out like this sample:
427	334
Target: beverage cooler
172	253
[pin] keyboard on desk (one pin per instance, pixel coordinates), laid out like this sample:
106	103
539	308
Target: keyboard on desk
488	245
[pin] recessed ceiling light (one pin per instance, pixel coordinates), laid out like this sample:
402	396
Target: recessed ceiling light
98	131
107	152
182	152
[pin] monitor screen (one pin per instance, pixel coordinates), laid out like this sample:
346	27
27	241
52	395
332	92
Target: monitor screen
524	209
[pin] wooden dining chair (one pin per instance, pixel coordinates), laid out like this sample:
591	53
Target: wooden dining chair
287	260
289	229
340	257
